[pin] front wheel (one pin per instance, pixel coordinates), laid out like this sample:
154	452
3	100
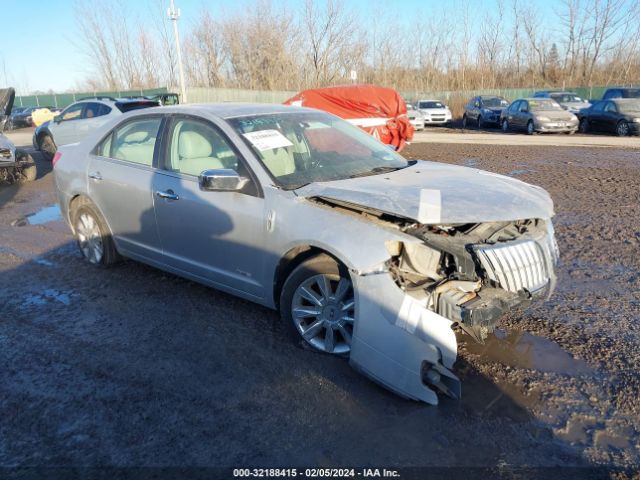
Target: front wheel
318	301
622	129
505	125
480	122
584	126
26	168
530	128
464	122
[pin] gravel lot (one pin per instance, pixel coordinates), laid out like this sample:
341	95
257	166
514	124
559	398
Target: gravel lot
130	366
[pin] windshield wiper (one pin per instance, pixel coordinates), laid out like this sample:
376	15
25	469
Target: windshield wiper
377	170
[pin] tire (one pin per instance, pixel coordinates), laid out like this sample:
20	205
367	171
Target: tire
584	126
93	235
47	147
464	122
26	169
322	321
530	128
622	129
480	122
505	126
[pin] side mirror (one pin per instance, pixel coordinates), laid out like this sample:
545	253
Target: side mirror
222	180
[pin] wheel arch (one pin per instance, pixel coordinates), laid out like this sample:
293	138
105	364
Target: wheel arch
77	201
290	260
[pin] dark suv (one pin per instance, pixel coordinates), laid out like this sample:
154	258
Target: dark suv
620	92
483	110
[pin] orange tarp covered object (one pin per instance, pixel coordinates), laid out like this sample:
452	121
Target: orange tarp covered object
379	111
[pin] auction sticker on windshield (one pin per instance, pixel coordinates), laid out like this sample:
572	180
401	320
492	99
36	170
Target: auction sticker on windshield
267	139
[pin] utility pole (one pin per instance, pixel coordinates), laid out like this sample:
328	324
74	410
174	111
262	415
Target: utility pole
173	16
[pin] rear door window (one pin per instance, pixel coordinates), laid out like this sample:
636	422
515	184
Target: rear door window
135	141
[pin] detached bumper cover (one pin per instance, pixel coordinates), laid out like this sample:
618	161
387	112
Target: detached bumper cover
397	341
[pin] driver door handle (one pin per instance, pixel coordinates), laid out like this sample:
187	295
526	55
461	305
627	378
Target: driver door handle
168	194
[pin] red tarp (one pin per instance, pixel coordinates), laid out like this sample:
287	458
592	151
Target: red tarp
379	111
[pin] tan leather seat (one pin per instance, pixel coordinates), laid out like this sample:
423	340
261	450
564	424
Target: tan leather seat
195	154
136	147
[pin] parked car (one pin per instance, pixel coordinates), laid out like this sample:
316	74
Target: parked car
483	110
22	118
538	115
434	111
365	254
621	92
15	165
620	116
568	100
416	118
80	118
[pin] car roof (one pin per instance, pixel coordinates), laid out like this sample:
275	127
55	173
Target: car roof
230	110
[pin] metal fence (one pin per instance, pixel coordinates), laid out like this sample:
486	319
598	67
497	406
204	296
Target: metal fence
62	100
218	95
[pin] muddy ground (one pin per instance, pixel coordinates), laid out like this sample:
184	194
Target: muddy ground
130	366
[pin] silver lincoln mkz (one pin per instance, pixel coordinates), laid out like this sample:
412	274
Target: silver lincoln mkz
365	254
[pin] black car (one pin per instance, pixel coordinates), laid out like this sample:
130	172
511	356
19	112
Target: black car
620	92
483	110
21	117
620	116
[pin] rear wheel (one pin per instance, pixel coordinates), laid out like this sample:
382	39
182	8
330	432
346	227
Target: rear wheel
47	147
622	129
530	128
93	235
317	300
505	125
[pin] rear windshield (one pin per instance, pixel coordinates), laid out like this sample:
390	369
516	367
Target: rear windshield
431	105
125	107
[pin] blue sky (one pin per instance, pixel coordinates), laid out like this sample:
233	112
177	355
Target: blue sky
41	51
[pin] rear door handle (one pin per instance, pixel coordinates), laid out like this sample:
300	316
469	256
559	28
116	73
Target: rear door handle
168	194
95	176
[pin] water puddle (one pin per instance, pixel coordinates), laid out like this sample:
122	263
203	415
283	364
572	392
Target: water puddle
470	162
44	215
523	350
522	171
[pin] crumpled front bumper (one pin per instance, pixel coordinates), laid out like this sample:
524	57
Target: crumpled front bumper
399	343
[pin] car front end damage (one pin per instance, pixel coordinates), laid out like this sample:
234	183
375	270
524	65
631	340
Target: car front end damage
447	276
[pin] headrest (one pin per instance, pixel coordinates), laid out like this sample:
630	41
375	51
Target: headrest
193	145
136	137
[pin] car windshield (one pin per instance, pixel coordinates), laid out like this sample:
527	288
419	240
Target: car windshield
299	148
431	105
493	102
629	106
566	97
543	105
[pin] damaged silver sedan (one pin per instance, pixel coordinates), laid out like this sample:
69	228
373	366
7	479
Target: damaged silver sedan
365	254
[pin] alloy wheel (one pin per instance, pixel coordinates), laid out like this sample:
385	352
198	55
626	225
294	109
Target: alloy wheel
323	309
89	238
505	126
622	129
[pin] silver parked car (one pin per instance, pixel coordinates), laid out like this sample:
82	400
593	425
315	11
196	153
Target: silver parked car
365	254
538	115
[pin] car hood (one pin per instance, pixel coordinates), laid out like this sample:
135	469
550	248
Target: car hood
433	110
7	95
436	193
575	105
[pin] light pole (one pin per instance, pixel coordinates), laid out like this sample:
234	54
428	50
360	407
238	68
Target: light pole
173	16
